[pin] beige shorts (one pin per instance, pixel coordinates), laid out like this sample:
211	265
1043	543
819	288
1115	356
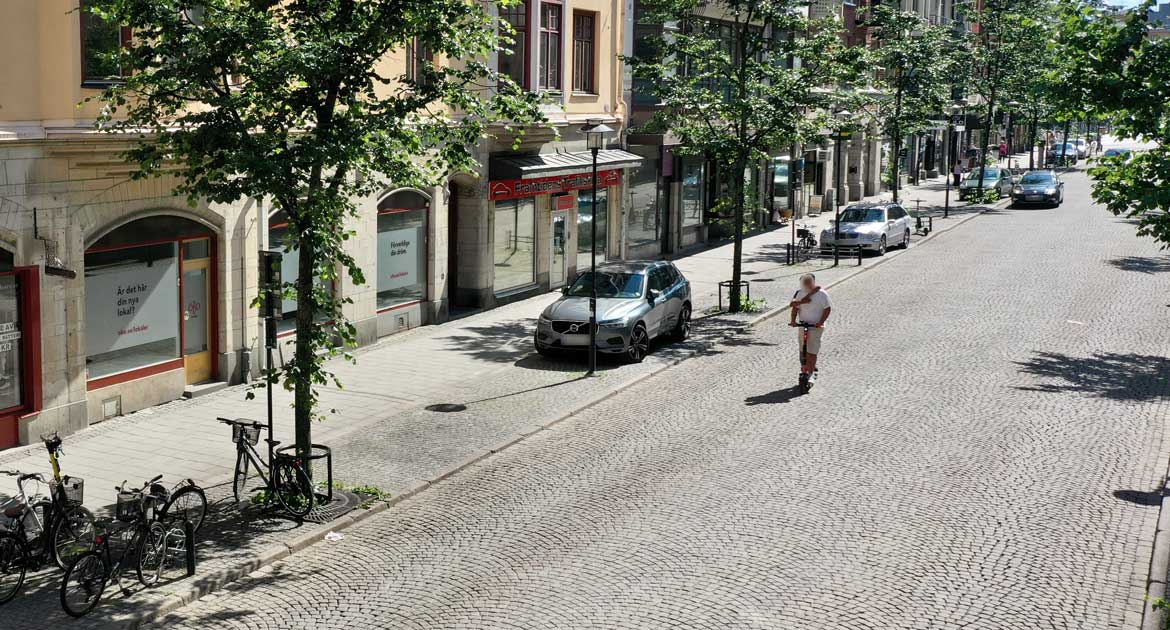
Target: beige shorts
813	344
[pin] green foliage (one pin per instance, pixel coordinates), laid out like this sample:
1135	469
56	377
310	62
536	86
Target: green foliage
291	104
985	197
730	89
752	306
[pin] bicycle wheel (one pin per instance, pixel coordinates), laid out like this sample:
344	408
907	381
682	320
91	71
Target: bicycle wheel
187	504
152	554
240	480
73	534
84	582
294	488
13	564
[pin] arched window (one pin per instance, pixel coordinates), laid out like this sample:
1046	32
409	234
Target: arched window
402	248
147	289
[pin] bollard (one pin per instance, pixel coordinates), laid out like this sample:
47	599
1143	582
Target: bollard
788	253
931	222
859	255
836	254
189	532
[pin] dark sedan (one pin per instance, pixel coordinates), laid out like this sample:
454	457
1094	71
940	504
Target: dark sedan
1042	187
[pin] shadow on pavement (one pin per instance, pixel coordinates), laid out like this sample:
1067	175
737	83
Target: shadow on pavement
1149	498
495	343
1141	264
779	396
1130	377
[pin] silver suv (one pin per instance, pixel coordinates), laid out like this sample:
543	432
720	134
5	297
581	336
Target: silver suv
636	302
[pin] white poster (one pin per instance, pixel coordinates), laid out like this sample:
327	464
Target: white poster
130	305
399	252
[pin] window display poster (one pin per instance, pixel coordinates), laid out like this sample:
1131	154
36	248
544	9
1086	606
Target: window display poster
130	305
399	255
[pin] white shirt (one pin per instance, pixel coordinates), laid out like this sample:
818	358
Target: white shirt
814	310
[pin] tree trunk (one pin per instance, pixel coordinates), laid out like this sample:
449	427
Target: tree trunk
303	355
897	157
737	248
987	138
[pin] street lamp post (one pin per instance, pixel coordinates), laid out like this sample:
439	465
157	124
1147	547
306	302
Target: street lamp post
1008	110
841	116
595	140
954	111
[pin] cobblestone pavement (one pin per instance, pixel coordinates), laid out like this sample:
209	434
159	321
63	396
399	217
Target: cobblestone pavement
991	412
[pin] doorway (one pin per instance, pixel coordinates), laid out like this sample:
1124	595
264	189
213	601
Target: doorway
560	240
195	288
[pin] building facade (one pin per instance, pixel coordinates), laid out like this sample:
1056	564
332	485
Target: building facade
116	295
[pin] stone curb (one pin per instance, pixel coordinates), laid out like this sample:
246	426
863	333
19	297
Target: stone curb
213	582
1159	566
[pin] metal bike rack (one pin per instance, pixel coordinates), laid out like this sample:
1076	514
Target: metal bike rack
743	284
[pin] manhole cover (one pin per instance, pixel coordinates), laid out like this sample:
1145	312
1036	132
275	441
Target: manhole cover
447	407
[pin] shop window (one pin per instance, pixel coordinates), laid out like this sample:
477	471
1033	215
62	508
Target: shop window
417	57
693	190
131	307
584	52
646	199
402	248
11	340
278	238
585	214
515	243
549	73
514	63
780	184
100	43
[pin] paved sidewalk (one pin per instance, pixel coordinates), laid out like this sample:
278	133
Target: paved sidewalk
382	434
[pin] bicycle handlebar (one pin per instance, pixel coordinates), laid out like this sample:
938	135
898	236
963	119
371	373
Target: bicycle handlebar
242	422
122	488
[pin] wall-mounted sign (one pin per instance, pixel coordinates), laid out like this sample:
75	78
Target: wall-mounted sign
516	188
566	202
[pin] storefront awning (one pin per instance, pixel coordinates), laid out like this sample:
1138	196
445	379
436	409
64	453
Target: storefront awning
553	164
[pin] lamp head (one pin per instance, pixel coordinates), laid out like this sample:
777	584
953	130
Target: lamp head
595	133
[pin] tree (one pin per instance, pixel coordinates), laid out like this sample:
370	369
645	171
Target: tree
1131	86
739	79
1008	33
913	62
290	101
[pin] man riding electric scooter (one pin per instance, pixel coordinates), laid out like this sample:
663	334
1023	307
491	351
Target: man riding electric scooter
810	309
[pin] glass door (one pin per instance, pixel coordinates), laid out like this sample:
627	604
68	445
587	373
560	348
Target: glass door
196	310
560	240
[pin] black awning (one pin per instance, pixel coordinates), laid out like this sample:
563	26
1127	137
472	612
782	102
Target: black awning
552	164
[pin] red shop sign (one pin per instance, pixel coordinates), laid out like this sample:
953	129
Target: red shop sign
515	188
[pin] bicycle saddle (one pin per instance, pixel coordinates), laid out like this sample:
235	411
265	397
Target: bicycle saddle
15	511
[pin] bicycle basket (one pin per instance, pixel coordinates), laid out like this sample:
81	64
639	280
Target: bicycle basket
244	431
70	490
803	233
129	507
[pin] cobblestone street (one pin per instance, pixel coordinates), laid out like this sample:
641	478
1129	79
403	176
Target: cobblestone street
991	412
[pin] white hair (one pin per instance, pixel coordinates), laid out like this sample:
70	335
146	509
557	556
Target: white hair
809	277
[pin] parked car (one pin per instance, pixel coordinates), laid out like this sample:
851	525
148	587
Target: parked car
1082	148
1125	153
872	226
636	302
1039	187
1062	153
999	179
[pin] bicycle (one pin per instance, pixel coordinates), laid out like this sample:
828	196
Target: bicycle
186	501
146	539
806	382
288	482
805	238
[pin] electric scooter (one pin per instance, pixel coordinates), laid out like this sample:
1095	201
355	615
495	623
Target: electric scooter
806	380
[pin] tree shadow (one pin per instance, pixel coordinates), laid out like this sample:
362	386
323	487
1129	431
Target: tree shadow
1127	377
779	396
1150	498
499	342
1141	264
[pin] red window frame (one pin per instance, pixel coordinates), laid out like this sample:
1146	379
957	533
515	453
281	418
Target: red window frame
523	39
585	62
547	77
29	279
124	41
212	324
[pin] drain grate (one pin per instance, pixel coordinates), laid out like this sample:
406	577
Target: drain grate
343	502
446	407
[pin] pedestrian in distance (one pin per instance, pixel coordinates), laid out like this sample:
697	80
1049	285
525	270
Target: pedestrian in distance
809	310
958	172
1003	150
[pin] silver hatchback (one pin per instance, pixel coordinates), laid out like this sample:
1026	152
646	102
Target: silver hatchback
636	302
